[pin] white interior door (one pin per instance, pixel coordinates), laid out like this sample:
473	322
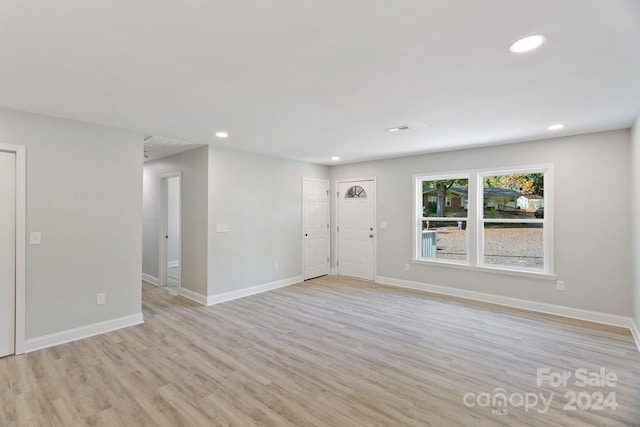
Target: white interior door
315	201
356	229
7	253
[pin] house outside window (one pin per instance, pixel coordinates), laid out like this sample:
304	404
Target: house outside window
442	230
498	220
512	235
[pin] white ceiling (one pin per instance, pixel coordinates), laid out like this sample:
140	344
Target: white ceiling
310	79
156	147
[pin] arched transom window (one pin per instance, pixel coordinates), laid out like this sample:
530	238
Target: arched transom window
355	192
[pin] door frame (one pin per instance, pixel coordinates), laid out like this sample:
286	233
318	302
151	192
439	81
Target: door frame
375	223
20	152
304	225
164	225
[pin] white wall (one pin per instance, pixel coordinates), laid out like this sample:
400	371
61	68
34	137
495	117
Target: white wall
260	197
635	206
592	219
193	165
84	194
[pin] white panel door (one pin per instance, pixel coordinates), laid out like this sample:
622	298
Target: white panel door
356	229
7	252
315	201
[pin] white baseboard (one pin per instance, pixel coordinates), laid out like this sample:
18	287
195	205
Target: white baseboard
241	293
151	279
541	307
635	331
193	296
81	332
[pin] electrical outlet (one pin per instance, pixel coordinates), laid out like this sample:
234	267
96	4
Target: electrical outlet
560	285
101	298
407	267
276	266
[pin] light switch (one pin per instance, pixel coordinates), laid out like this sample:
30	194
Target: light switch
222	228
35	237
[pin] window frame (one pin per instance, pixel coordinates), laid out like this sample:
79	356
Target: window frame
475	221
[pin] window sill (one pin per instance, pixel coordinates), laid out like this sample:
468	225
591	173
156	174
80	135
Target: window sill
484	269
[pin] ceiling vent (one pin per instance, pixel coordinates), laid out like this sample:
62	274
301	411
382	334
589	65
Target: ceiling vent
397	128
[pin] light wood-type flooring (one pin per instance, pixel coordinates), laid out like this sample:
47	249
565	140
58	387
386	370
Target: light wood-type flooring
326	352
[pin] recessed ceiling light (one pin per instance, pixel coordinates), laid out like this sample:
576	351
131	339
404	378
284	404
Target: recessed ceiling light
397	128
335	158
527	44
557	126
222	134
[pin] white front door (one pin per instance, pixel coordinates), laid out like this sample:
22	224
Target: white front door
7	253
315	201
356	229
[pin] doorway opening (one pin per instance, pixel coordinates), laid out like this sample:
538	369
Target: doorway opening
171	232
12	248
